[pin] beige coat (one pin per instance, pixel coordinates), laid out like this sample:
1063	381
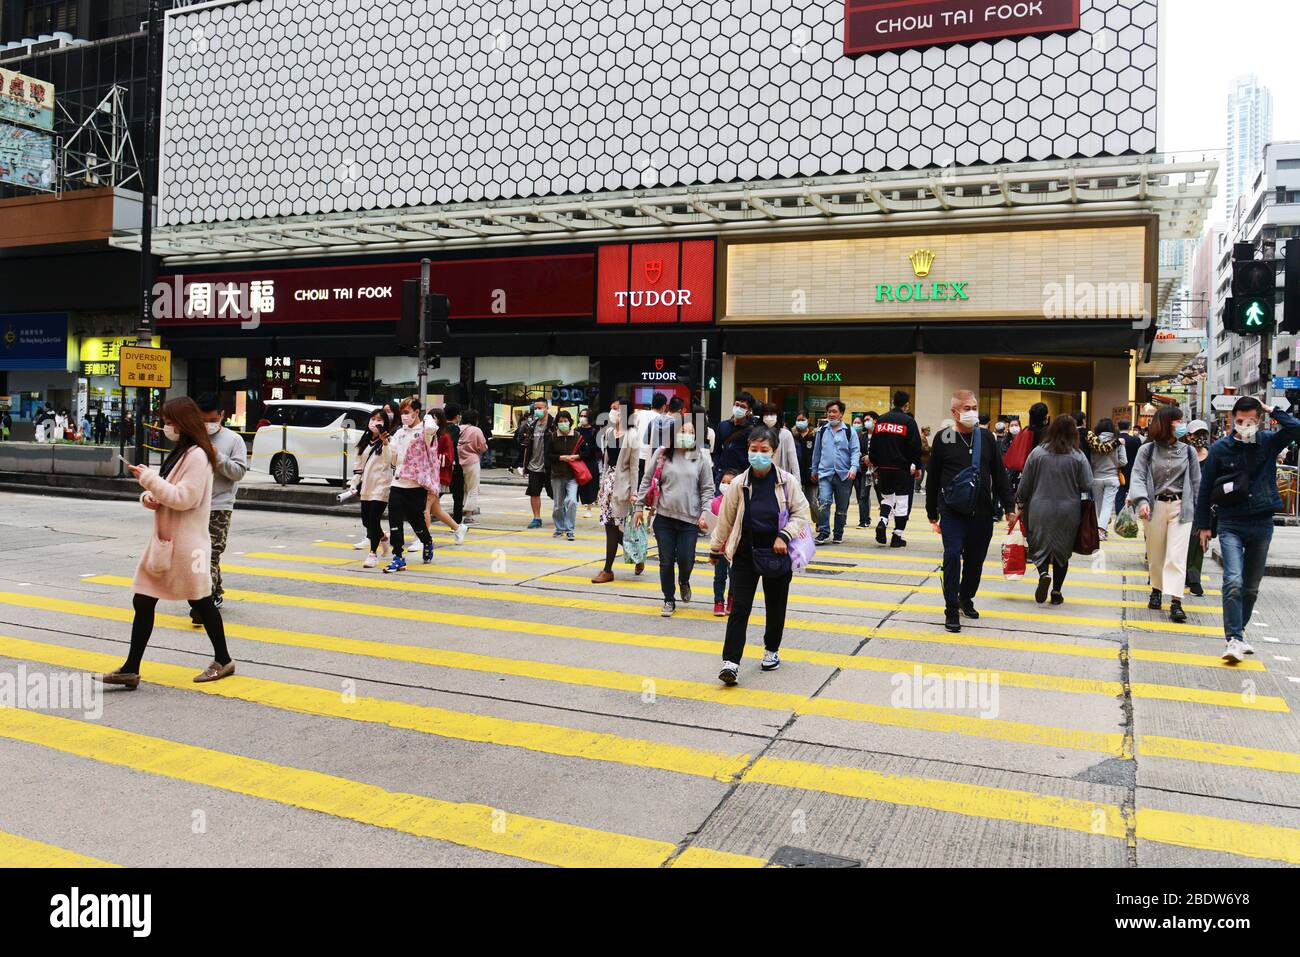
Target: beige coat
731	514
373	476
185	497
623	490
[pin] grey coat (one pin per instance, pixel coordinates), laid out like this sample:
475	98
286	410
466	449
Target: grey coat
1051	490
685	486
1142	482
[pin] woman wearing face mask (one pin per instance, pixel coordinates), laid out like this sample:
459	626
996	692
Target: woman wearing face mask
685	493
1198	437
564	487
787	456
805	438
619	457
763	510
1107	456
589	453
372	479
415	475
1166	478
1055	476
865	480
176	565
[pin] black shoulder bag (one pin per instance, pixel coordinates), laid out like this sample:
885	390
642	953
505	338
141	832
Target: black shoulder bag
961	495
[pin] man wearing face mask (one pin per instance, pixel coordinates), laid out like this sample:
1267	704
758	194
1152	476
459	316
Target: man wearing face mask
965	526
232	463
805	440
837	456
862	486
733	438
896	457
531	439
1237	499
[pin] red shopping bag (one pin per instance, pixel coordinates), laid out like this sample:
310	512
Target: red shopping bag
1013	553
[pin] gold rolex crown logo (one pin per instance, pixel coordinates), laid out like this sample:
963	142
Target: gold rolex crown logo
1038	368
921	261
822	364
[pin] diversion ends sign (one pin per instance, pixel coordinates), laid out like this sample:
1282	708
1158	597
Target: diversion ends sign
145	368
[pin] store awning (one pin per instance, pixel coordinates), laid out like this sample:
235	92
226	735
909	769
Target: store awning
1179	193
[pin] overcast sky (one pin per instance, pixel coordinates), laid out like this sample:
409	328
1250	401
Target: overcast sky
1210	42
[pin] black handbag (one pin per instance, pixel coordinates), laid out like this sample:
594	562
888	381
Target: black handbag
768	563
961	495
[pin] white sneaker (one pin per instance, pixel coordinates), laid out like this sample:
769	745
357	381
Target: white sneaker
730	673
771	660
371	561
461	529
414	546
1235	652
364	543
1245	646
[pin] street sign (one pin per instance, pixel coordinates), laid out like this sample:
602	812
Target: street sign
1283	382
1224	403
147	368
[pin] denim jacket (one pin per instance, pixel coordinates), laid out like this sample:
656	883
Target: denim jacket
836	452
1259	459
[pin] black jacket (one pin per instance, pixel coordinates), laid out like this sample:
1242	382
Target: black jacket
896	441
950	454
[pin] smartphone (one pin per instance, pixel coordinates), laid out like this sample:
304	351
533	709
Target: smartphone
128	465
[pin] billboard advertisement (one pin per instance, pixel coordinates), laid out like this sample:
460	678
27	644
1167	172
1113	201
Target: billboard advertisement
31	341
26	157
26	100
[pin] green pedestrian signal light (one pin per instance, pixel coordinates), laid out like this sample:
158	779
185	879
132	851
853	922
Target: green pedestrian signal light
1254	317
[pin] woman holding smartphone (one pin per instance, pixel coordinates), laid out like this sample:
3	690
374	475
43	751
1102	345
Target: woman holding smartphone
175	565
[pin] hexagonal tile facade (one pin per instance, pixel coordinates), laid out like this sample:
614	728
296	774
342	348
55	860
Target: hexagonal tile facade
289	107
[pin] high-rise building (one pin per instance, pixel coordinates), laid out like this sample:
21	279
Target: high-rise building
1250	126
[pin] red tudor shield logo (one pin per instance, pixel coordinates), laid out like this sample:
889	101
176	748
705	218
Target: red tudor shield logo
654	270
659	365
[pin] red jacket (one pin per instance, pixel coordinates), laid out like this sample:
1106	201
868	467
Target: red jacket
444	460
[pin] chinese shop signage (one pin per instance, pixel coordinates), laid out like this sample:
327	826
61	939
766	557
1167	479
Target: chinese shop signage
26	100
874	26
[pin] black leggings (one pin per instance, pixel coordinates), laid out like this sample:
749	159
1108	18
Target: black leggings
613	539
1058	573
142	630
406	505
371	514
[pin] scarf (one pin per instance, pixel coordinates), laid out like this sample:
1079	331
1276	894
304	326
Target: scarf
1100	447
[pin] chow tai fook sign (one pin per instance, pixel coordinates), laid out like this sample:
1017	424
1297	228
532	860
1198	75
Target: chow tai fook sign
655	282
874	26
512	287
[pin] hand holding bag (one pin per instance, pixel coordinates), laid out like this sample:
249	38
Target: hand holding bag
1088	538
1014	551
580	470
636	543
652	492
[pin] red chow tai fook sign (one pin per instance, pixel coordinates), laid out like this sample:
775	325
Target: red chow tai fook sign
655	282
873	26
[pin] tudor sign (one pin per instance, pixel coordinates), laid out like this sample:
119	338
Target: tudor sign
873	26
655	282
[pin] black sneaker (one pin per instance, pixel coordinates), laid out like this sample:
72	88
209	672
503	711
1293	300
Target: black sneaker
218	600
1196	590
1044	586
952	620
1154	601
897	541
1058	598
1176	613
880	532
837	541
968	609
823	538
864	524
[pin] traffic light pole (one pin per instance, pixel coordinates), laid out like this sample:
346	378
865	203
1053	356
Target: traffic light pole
1266	363
144	325
424	332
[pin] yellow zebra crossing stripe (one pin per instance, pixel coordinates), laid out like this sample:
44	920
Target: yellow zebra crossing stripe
18	851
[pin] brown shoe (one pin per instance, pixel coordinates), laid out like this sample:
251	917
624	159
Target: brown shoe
602	577
123	678
215	672
640	567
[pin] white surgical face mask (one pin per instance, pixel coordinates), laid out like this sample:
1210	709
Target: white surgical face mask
739	412
171	433
769	421
409	419
801	423
1015	430
970	419
213	427
614	416
686	441
722	489
1247	431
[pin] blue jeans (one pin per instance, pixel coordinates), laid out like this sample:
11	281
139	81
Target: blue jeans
833	487
720	571
676	540
565	510
1243	544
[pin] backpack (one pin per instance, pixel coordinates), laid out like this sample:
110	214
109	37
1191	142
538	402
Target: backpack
1018	454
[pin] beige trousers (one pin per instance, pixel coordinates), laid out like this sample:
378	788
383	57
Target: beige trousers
1167	539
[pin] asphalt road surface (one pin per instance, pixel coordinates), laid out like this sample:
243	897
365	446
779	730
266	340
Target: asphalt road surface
496	708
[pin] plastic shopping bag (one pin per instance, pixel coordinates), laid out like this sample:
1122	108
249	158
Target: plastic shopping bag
1013	553
636	543
1126	523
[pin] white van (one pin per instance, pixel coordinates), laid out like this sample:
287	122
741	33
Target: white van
299	439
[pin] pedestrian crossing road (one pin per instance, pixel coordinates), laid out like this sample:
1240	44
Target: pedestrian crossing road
496	708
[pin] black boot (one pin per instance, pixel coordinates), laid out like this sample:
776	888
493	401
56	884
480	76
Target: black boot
952	620
1154	601
1044	585
1176	613
968	609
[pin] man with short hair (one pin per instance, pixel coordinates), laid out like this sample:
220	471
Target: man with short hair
966	533
1239	493
451	411
1132	443
232	464
836	458
732	453
896	458
531	439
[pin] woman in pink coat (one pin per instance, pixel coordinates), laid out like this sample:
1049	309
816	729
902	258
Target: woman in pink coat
175	565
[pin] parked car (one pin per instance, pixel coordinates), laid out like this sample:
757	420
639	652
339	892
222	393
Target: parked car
309	439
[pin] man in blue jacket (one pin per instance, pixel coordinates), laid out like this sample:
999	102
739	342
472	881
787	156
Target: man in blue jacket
836	458
1245	525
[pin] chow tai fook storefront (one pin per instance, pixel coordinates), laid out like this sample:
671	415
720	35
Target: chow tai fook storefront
573	325
1019	314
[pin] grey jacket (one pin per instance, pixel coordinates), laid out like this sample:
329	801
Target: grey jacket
1142	483
232	463
685	487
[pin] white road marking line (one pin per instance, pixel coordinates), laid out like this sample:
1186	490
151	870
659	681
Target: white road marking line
1280	658
1274	640
1293	678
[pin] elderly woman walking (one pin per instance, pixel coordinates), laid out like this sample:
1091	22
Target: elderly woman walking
175	565
1052	486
